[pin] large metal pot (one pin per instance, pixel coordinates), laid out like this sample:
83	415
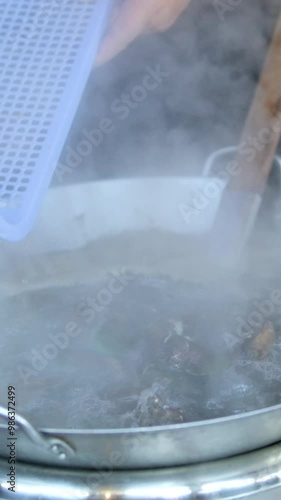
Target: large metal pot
84	213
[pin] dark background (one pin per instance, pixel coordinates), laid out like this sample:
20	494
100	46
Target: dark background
214	66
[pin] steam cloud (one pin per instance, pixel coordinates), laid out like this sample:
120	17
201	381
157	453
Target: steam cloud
213	66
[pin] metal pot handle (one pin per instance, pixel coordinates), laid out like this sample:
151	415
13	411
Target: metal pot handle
53	445
211	160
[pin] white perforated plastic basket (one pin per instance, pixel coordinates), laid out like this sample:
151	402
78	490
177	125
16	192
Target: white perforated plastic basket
47	52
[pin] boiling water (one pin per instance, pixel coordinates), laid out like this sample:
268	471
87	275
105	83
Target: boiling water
134	351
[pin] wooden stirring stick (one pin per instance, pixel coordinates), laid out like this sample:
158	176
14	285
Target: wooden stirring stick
242	198
263	125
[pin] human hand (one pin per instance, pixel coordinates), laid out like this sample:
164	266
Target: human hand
133	17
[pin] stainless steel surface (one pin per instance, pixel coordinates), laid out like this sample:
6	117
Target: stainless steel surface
56	447
158	447
74	225
220	161
255	474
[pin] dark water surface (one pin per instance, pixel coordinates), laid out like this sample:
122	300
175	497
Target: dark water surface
161	351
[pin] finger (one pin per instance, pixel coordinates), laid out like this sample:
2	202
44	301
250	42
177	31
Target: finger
128	24
166	14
